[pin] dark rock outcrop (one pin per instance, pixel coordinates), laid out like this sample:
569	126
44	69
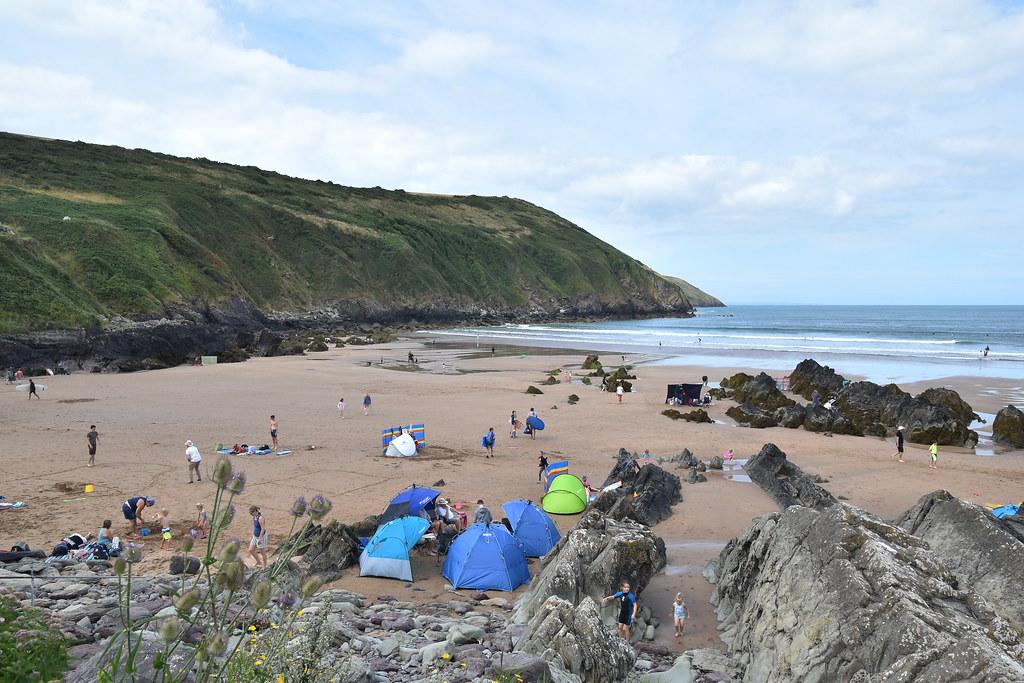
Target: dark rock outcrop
759	391
810	376
951	401
326	549
698	415
790	417
786	483
593	558
646	496
975	546
838	595
620	376
574	637
751	416
875	409
1008	427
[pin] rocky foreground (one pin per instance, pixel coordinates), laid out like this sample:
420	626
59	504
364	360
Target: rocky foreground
819	591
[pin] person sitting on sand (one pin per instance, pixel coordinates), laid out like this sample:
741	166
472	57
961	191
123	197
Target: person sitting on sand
445	516
106	534
132	510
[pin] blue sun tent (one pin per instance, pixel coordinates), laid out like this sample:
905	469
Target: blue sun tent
486	557
415	500
532	527
387	553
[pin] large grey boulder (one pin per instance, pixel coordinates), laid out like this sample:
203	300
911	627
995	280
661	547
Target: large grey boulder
976	547
839	595
646	496
591	560
1008	427
786	483
150	645
575	638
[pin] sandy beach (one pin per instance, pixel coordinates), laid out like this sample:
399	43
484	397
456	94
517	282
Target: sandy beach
145	418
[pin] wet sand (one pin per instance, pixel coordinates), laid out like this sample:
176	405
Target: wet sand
144	419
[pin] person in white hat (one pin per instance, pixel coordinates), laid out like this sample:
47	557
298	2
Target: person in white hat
899	444
194	458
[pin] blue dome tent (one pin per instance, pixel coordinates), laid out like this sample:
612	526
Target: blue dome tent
486	557
532	527
387	553
416	501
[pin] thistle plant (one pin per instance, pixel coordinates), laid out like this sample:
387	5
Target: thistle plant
214	605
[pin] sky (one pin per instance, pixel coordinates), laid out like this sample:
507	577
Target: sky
768	152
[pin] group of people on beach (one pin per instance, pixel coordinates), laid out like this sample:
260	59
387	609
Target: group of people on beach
933	450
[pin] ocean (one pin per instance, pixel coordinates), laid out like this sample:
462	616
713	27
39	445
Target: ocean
881	343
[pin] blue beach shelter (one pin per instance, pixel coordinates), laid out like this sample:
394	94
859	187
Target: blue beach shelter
486	557
387	553
532	527
417	501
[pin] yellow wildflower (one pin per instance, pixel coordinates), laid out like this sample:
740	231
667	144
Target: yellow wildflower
279	679
445	656
273	625
252	628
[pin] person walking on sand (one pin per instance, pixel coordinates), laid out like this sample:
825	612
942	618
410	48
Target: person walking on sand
627	608
679	614
260	538
542	464
488	442
193	458
132	510
32	389
92	438
899	444
341	408
933	451
513	426
273	430
619	391
367	402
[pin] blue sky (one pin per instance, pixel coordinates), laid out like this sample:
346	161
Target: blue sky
815	152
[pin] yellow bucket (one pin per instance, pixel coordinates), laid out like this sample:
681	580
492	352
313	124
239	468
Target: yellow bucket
88	488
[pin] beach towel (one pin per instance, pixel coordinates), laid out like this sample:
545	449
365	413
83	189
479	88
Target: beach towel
1005	511
16	505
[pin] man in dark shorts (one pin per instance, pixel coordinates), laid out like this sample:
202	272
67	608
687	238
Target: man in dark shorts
273	430
32	390
93	439
627	608
132	510
899	443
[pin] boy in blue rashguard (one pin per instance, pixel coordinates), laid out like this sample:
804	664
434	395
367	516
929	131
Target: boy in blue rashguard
627	608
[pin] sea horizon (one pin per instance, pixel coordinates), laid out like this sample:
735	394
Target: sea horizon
890	343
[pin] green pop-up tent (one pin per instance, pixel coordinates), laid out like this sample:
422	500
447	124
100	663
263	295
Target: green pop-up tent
566	496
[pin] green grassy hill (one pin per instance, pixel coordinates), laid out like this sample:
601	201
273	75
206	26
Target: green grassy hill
697	297
90	233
